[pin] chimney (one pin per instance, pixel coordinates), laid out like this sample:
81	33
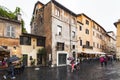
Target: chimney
19	17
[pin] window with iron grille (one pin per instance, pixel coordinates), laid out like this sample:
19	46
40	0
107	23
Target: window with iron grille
40	41
60	46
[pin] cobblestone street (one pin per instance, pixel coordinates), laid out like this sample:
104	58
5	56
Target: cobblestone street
88	71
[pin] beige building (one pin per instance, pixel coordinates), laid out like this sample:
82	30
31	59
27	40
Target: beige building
30	45
10	30
58	25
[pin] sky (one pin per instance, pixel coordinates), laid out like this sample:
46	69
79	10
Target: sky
104	12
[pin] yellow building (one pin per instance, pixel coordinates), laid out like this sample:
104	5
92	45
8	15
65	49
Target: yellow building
92	38
84	34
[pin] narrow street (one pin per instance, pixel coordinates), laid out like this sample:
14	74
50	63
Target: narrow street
88	71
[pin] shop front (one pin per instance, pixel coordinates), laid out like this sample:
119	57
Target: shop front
62	58
89	55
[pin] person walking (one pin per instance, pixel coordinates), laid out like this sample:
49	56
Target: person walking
3	63
105	60
102	61
72	65
77	65
10	71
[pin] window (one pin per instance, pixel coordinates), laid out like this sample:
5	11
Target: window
80	42
36	11
73	46
25	40
87	31
59	30
73	34
93	33
35	29
73	21
60	46
87	22
100	46
93	44
97	35
10	32
100	36
97	45
40	41
57	12
98	28
94	26
41	19
80	27
87	43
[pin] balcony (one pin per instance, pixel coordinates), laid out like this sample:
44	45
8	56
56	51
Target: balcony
86	46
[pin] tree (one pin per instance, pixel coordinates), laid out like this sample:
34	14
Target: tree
42	52
4	12
23	28
17	11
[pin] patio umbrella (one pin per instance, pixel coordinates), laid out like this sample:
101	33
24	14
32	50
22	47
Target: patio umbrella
70	58
13	58
102	55
2	49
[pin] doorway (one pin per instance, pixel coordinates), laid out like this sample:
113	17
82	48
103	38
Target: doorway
39	59
25	57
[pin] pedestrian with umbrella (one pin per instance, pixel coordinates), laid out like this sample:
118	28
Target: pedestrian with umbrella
102	59
72	65
13	59
10	69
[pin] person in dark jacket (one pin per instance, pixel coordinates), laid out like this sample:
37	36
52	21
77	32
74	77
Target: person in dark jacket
10	71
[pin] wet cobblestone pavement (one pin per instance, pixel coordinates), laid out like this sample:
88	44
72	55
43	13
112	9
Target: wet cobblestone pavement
88	71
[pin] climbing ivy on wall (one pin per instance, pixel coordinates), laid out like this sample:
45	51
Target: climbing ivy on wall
4	12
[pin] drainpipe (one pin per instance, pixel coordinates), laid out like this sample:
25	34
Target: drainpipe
70	33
